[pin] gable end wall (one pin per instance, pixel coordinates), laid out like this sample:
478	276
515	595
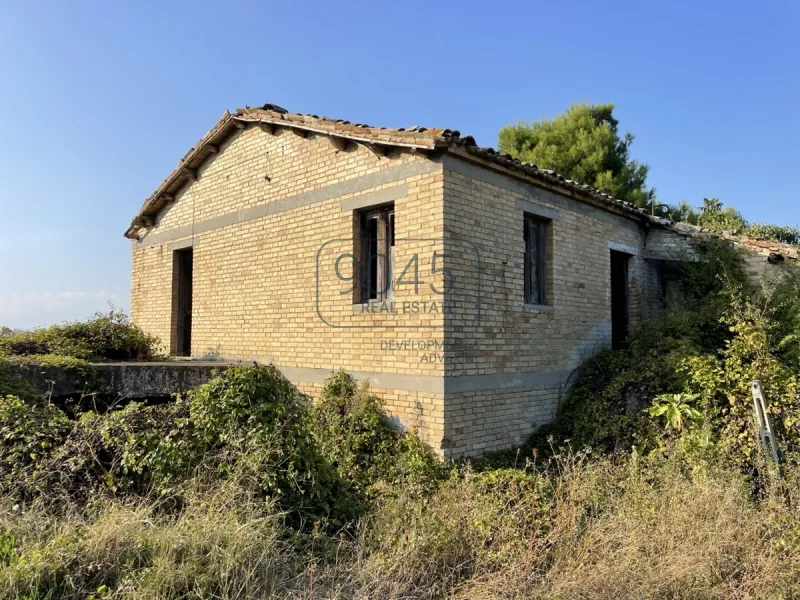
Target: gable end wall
263	214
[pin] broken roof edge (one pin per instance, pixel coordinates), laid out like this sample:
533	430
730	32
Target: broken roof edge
414	138
760	246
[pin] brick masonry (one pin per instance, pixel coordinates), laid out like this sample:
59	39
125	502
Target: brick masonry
487	208
272	213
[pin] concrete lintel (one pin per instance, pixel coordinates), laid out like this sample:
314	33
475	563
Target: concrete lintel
434	384
537	209
376	198
623	248
474	383
392	381
181	245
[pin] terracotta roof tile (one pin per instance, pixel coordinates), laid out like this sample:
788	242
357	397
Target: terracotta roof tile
412	137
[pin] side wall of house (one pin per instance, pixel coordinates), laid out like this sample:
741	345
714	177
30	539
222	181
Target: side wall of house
271	221
761	271
512	361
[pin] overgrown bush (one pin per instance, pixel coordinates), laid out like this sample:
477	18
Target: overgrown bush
29	434
356	438
247	423
707	285
775	233
723	383
323	464
13	384
604	407
257	412
107	337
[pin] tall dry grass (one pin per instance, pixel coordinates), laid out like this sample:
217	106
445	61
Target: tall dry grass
584	527
219	544
655	528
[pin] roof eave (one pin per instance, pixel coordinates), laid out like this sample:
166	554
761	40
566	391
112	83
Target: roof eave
551	182
229	123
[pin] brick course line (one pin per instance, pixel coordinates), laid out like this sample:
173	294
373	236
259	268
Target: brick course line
351	186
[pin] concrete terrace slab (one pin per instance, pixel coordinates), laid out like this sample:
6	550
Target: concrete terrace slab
136	380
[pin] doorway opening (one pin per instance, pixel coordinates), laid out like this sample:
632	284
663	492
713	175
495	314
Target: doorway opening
619	300
182	265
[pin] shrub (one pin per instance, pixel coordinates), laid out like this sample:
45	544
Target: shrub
357	439
604	408
13	384
723	384
247	424
775	233
108	336
257	412
708	286
135	449
28	436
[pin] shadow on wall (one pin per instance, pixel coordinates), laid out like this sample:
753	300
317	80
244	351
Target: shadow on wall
597	338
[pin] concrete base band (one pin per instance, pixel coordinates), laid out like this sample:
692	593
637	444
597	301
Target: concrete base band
448	384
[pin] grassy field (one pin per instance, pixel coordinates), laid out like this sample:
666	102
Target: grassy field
583	527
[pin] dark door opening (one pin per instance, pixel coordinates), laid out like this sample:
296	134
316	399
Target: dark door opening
619	300
183	305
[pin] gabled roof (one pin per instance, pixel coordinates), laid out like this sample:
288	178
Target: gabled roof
414	138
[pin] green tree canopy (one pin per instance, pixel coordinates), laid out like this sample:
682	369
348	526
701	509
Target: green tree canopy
683	212
582	144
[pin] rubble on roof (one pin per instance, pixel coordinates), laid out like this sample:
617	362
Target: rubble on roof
776	252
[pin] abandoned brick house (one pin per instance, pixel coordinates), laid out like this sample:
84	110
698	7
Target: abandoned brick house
465	286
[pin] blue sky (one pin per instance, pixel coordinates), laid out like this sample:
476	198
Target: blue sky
98	101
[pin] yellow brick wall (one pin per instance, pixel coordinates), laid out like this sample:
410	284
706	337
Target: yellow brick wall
265	287
514	338
259	292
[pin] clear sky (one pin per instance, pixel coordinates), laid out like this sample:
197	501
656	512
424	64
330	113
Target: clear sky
99	100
